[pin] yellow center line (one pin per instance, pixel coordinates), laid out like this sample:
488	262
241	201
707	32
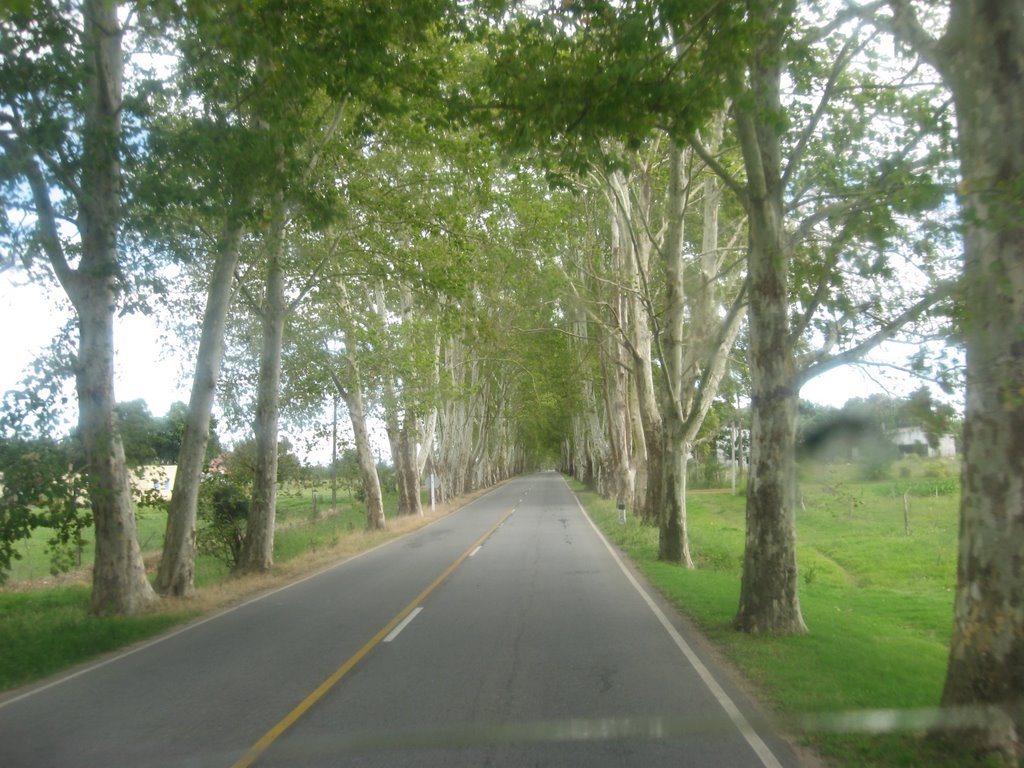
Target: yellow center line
289	720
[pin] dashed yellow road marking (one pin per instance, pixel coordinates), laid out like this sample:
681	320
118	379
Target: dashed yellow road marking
290	719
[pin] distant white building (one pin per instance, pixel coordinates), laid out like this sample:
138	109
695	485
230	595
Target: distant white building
914	440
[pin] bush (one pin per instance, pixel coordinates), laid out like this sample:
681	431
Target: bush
709	473
937	470
386	473
223	511
878	458
38	491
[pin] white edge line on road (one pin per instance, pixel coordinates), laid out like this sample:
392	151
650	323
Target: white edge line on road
231	609
476	550
405	622
761	749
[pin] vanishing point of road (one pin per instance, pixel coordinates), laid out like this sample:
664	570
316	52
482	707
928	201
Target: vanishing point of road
505	634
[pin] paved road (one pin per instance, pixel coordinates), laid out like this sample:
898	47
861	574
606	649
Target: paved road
506	634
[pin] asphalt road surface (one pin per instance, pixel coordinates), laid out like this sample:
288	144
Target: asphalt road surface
505	634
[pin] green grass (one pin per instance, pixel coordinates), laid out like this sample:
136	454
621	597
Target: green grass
878	603
47	630
313	535
35	558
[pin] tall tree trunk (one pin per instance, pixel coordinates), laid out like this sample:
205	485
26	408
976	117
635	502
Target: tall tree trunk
393	428
258	546
403	456
615	366
673	543
648	421
177	566
654	501
119	584
639	442
410	476
769	600
617	422
119	578
428	428
353	398
673	535
983	63
588	437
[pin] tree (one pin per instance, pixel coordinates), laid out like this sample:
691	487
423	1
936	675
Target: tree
241	461
155	440
327	363
138	432
820	249
258	545
768	592
61	110
368	476
196	196
980	55
935	418
371	328
686	316
176	573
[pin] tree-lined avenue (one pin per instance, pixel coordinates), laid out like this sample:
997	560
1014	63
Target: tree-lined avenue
535	649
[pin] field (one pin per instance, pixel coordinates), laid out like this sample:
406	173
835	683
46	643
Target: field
876	594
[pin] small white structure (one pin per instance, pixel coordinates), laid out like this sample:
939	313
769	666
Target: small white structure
911	440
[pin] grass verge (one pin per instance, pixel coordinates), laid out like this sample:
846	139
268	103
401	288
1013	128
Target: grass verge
877	601
43	631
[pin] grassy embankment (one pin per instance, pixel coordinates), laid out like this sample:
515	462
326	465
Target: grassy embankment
44	621
877	599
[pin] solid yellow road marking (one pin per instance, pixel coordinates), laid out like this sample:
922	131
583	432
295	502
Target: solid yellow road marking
289	720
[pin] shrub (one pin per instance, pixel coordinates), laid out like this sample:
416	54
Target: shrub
877	461
223	511
937	470
37	490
